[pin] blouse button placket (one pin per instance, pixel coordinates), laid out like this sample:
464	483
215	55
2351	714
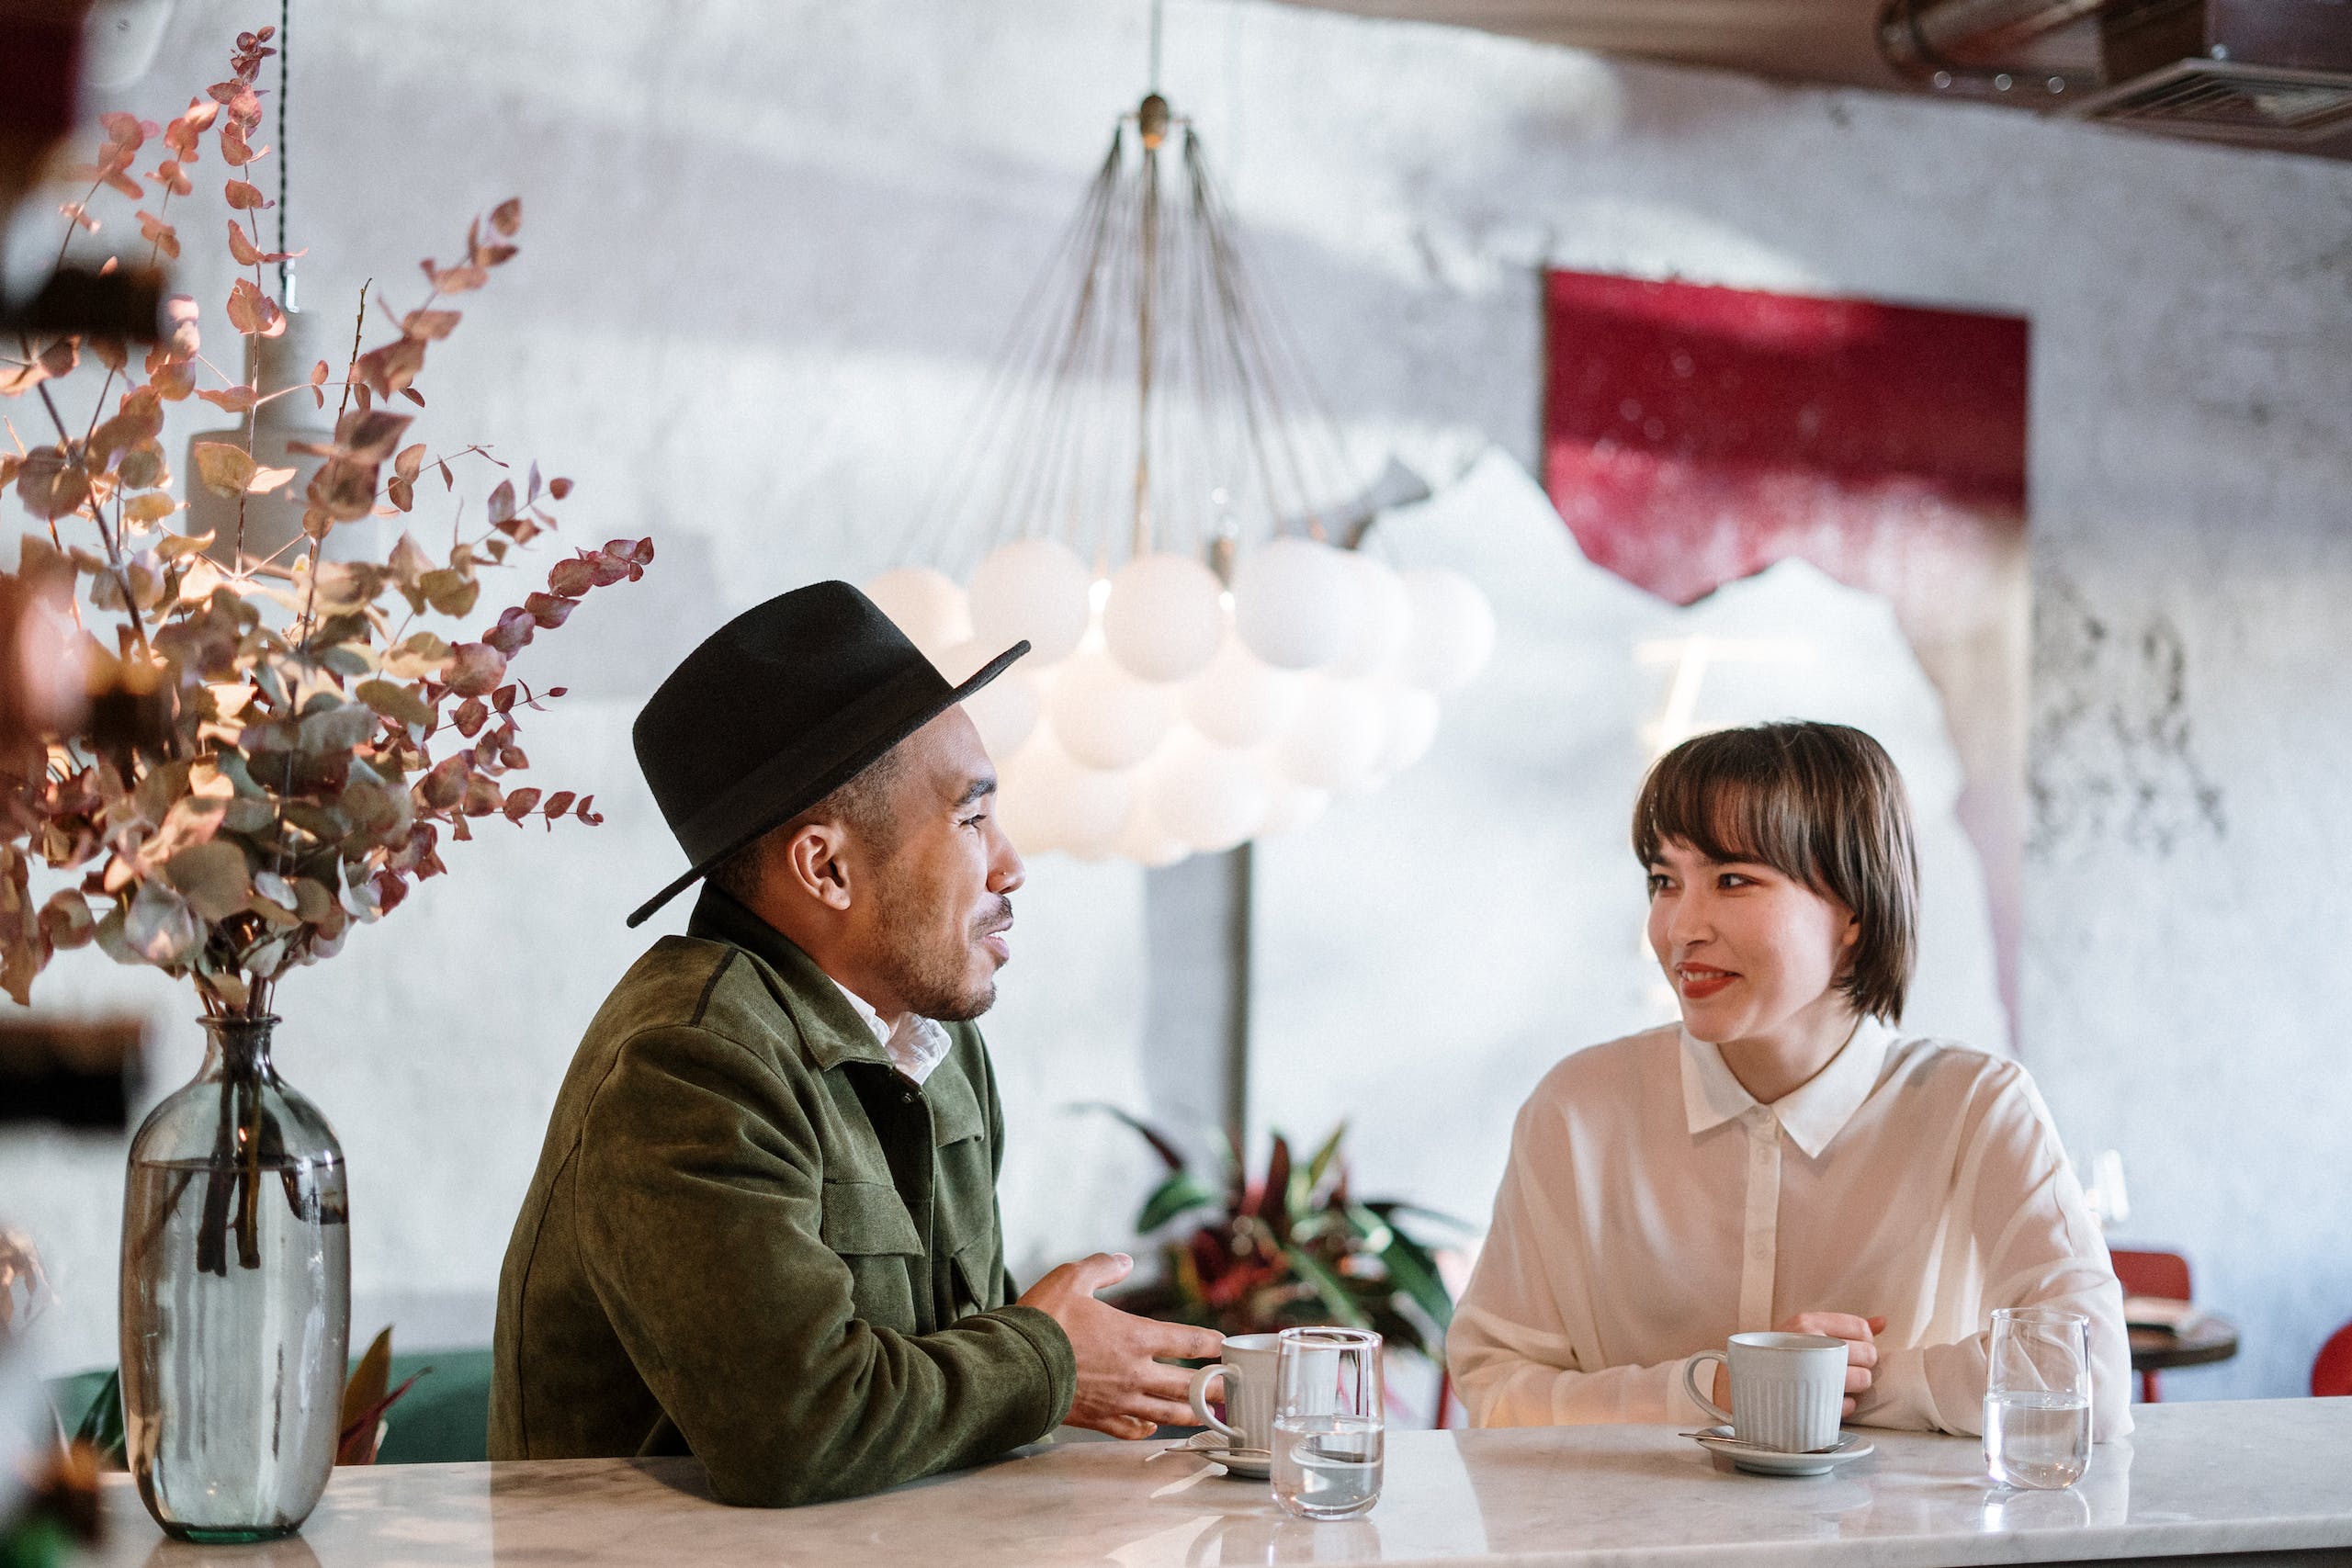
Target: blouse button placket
1760	1239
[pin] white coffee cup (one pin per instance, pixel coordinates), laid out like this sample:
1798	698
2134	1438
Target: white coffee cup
1247	1370
1787	1390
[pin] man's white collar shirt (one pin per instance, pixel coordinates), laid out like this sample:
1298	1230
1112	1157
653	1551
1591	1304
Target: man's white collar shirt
1652	1208
916	1045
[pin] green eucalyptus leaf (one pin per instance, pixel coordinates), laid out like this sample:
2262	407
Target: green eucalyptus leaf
312	901
394	701
111	940
159	928
212	877
234	767
331	728
245	815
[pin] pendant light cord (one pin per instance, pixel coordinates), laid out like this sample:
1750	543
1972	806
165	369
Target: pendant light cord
285	268
1156	10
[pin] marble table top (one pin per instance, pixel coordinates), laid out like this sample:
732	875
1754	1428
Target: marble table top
2248	1477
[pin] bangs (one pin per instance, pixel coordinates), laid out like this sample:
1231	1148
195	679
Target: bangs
1730	802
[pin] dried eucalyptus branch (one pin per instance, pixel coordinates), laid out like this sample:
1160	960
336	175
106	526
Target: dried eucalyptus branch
320	742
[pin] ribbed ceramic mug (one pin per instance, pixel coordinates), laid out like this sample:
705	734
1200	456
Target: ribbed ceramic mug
1247	1370
1787	1390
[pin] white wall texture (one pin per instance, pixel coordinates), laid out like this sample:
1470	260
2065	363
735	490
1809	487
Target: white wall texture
768	250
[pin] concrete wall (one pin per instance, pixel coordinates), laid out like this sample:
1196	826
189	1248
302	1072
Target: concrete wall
769	249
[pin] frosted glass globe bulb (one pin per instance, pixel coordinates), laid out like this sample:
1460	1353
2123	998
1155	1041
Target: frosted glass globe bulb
1295	603
1164	616
1034	589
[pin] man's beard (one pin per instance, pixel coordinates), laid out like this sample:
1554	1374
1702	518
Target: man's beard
933	978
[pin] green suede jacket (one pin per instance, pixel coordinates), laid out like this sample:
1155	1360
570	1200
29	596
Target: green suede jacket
750	1238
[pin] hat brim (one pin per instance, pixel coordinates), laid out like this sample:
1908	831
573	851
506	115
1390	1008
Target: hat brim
914	718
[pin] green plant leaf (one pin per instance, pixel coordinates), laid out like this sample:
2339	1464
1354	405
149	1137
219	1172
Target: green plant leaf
1321	1163
1181	1194
101	1428
1328	1287
1414	1271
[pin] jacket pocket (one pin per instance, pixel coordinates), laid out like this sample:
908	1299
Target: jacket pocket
863	1219
976	1275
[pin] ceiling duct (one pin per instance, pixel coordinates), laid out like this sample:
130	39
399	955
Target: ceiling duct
2259	72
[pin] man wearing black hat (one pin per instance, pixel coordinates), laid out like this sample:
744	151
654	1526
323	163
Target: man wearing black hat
763	1227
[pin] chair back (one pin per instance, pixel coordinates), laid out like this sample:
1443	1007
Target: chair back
2332	1372
2153	1273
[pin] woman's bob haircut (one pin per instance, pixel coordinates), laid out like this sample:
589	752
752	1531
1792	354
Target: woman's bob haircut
1818	803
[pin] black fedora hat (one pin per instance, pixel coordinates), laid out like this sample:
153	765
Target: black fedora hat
778	708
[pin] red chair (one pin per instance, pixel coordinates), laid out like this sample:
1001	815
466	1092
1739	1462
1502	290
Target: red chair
2332	1372
2161	1274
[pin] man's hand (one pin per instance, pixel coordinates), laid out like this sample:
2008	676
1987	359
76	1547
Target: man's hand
1121	1389
1860	1335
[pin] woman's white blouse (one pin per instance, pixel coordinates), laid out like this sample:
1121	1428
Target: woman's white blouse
1652	1207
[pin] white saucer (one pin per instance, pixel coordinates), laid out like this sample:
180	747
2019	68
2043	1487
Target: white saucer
1769	1461
1249	1464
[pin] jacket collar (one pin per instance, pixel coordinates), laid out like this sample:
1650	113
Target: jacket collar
1812	1113
830	1030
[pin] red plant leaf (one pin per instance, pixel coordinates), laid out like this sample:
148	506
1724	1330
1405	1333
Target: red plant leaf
513	629
472	714
475	667
390	369
570	579
507	216
559	803
548	610
559	488
252	312
518	804
593	820
246	196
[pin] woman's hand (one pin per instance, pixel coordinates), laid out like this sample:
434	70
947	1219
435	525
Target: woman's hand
1860	1335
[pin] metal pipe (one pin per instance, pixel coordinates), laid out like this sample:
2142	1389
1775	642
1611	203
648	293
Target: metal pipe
1968	36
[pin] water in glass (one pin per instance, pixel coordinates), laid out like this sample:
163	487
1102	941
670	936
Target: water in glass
2037	1439
1327	1467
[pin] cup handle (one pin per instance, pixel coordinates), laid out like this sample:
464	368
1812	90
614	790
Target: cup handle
1201	1380
1691	1384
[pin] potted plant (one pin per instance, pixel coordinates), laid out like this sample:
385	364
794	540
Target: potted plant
1290	1248
288	735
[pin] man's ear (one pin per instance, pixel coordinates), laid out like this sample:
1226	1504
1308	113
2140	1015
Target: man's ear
813	866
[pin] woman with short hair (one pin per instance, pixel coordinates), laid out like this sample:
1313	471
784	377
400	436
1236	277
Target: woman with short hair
1784	1158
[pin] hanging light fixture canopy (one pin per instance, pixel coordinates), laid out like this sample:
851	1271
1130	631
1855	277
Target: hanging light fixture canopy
1152	493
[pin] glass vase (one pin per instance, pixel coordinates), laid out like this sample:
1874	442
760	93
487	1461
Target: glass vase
236	1298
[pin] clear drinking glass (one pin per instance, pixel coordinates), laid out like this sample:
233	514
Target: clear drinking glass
2037	1398
1329	1419
236	1298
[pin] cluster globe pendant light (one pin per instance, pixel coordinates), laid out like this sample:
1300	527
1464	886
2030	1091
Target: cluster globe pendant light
1150	495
